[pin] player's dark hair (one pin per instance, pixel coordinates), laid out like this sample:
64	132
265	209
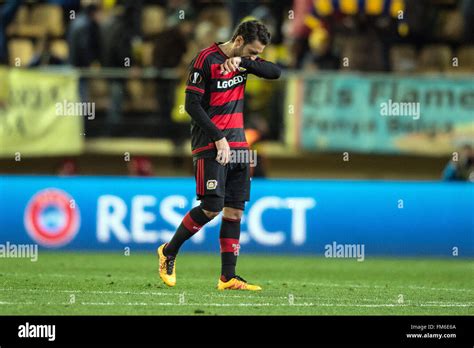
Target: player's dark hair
252	30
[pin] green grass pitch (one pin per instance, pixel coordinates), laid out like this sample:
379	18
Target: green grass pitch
65	283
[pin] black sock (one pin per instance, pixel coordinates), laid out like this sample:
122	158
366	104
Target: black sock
229	241
192	223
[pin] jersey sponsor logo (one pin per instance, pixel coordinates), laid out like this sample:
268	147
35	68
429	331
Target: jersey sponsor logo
211	184
52	218
195	78
229	83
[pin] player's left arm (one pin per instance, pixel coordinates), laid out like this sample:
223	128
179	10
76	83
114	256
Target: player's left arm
261	68
258	67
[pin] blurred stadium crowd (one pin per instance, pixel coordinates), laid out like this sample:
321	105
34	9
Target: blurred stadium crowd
400	34
132	54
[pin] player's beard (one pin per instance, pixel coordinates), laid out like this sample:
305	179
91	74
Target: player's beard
238	52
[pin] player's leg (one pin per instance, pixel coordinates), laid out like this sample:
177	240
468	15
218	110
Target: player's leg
192	222
237	193
212	202
208	173
229	237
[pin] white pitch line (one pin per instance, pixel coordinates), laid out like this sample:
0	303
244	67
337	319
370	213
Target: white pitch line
154	293
160	304
414	287
149	293
18	303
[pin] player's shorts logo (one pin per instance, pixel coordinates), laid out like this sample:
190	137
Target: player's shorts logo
211	184
52	218
195	78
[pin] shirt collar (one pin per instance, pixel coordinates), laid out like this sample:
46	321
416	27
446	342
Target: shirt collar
219	49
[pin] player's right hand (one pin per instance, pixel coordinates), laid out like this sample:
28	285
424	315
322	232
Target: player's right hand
230	65
223	151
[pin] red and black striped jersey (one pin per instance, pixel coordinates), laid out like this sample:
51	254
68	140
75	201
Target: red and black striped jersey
222	98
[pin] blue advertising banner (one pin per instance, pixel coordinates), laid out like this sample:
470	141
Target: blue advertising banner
283	216
380	113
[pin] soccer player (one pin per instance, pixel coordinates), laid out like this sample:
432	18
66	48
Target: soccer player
215	102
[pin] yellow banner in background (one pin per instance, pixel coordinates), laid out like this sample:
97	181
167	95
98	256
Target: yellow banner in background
35	113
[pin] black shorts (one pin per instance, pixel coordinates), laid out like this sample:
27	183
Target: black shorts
219	186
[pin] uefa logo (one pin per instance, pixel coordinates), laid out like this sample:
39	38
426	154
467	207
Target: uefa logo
51	218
